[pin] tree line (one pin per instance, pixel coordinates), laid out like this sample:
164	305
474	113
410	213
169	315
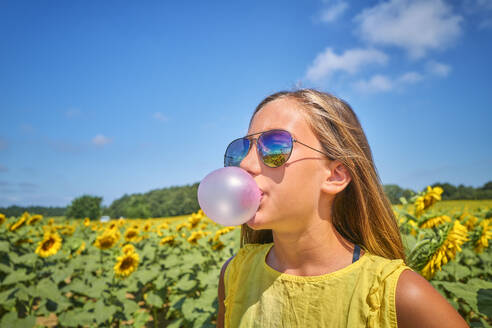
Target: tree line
182	200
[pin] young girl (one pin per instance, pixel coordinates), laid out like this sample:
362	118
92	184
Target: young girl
324	248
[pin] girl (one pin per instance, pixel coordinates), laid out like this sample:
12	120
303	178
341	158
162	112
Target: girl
324	248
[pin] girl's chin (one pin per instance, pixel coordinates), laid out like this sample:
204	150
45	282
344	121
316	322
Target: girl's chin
255	222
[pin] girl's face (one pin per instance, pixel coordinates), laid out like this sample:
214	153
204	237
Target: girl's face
291	193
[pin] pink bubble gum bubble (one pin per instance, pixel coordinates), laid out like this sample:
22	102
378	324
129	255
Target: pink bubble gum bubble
229	196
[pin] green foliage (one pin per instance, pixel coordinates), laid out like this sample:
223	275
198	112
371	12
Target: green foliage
15	210
85	206
465	192
395	192
157	203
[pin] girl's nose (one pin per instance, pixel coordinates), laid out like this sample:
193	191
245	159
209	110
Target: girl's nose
252	162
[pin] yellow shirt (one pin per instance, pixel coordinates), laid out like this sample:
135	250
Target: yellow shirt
361	294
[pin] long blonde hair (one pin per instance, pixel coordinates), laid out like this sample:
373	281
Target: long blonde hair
361	213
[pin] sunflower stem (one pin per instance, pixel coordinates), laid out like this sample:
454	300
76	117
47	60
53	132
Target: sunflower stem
101	260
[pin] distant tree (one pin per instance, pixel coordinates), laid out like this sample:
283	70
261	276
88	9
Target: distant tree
395	192
487	186
449	191
85	206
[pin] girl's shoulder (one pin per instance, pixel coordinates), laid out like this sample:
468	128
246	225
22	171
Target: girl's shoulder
249	251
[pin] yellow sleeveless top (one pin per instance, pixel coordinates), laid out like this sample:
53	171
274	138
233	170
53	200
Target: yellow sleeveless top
361	294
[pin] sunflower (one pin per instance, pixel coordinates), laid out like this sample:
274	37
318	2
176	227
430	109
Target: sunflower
87	222
68	230
435	221
2	218
121	222
181	226
131	234
51	221
194	220
167	240
218	246
147	226
195	235
163	226
126	264
221	232
80	249
470	222
107	240
457	235
485	235
429	198
20	222
35	218
50	245
128	248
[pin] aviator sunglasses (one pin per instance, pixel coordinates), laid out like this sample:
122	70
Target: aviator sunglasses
274	148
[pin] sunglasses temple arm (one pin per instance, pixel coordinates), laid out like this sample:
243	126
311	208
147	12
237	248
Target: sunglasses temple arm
314	149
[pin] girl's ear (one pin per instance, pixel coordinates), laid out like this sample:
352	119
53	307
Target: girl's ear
336	179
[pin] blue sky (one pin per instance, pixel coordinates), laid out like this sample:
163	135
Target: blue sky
114	97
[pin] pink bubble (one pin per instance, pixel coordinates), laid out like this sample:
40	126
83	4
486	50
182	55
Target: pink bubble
229	196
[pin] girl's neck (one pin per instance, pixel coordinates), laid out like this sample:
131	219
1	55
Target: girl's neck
313	252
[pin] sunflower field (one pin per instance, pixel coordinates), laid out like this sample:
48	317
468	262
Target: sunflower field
163	272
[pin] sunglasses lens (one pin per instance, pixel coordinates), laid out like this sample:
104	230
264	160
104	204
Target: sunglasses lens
275	147
236	151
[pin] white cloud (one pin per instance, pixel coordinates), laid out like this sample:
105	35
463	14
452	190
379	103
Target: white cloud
329	15
160	117
101	140
438	69
410	78
382	83
416	26
377	83
350	61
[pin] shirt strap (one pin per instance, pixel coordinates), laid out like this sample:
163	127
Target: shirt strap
356	253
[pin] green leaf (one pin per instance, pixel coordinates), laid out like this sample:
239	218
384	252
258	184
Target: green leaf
77	286
28	259
148	252
469	292
75	318
484	300
103	313
46	288
130	308
206	300
187	308
5	268
4	247
154	300
11	320
141	318
175	324
97	288
161	282
457	271
144	276
61	274
17	276
185	284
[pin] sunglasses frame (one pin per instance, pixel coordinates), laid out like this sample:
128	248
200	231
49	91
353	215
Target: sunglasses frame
255	141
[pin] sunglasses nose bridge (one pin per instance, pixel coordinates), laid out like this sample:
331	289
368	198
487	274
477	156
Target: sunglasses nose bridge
247	163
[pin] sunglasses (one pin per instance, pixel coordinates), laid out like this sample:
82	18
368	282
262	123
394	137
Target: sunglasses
274	148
